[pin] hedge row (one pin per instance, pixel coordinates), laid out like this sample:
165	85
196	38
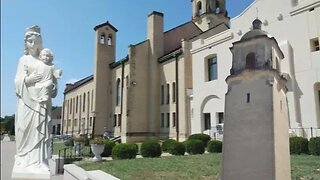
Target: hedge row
300	145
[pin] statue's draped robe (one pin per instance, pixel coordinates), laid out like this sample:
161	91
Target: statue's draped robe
32	118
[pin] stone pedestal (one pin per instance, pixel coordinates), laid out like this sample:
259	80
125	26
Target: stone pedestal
29	174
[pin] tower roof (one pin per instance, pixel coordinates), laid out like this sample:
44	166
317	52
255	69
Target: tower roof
105	24
255	32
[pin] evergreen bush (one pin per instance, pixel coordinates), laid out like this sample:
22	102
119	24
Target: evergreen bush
124	151
166	144
298	145
150	148
205	138
108	145
177	148
194	146
214	146
314	146
69	142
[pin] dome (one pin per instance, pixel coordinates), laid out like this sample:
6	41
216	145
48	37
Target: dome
256	32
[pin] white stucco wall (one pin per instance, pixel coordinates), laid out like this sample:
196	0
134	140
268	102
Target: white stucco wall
293	33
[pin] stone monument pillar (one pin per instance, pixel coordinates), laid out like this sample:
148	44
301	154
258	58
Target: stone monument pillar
256	137
35	85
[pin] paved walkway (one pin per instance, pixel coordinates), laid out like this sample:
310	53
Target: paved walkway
8	151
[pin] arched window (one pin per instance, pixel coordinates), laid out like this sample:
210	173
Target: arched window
251	61
118	94
199	8
109	41
102	38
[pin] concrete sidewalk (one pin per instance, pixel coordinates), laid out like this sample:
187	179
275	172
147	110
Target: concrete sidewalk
8	151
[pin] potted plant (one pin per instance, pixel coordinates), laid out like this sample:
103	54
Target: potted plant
78	143
97	147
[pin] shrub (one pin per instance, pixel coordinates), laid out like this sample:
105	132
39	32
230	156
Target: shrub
214	146
314	146
194	146
205	138
69	142
108	145
150	148
79	138
177	148
124	151
298	145
166	144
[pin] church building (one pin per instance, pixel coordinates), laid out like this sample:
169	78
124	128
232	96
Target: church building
173	84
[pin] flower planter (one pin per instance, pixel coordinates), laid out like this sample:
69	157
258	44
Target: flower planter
97	150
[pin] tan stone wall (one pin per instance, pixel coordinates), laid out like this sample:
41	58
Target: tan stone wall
119	111
281	133
74	114
137	100
104	55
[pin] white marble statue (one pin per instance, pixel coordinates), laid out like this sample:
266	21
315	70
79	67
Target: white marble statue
35	85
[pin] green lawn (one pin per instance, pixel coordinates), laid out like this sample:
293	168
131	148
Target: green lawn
206	166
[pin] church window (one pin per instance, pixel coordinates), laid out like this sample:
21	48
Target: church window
115	120
119	119
109	41
162	94
88	100
168	120
207	121
199	8
314	45
168	93
174	119
212	67
251	61
220	117
173	92
90	122
75	122
248	97
77	104
84	102
162	120
118	92
102	38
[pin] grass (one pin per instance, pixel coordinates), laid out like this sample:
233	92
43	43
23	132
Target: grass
305	167
203	167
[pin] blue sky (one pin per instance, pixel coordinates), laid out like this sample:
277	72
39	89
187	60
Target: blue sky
67	29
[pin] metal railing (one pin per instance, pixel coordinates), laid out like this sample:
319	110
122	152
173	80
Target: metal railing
71	154
216	132
305	132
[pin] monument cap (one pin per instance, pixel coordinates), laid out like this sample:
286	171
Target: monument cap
33	29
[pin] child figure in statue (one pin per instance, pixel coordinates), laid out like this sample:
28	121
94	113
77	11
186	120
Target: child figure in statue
50	75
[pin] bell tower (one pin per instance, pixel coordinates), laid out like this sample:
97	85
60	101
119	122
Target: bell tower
256	137
209	13
105	50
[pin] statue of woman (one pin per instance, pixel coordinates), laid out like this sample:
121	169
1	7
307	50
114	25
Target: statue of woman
33	115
